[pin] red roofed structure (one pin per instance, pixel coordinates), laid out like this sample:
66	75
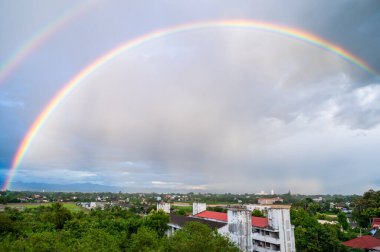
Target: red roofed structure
276	235
364	242
376	223
210	215
213	215
259	222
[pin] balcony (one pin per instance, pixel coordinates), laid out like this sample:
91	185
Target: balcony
260	249
265	238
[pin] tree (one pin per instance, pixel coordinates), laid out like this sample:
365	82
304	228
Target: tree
313	236
6	224
58	215
342	219
195	236
367	207
257	213
96	240
157	221
144	240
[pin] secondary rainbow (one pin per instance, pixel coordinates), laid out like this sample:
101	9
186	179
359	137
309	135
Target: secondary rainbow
43	34
107	57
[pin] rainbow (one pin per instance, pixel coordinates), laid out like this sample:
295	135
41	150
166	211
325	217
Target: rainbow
43	34
112	54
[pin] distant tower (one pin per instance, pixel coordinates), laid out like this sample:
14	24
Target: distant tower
272	192
240	228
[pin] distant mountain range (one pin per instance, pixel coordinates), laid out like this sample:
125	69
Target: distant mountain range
83	187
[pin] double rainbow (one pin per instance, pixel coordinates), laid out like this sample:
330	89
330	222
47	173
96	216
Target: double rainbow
77	79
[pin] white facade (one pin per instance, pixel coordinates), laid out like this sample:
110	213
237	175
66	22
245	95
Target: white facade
199	207
263	208
163	206
240	228
278	236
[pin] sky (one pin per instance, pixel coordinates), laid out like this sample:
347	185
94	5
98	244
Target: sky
222	109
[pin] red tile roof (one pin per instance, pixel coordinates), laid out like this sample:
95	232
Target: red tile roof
213	215
259	222
364	242
256	221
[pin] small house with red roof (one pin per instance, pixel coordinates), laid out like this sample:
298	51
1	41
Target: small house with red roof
367	242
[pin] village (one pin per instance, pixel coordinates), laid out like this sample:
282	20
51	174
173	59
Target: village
254	222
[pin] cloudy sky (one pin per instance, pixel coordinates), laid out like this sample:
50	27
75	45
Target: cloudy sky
210	110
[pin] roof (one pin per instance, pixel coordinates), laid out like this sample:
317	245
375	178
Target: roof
182	220
259	222
376	222
364	242
256	221
213	215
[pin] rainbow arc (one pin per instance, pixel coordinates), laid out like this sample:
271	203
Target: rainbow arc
70	86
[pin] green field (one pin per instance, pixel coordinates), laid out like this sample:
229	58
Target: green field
187	209
69	205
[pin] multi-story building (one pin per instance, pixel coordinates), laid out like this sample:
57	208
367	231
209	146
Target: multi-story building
265	201
250	233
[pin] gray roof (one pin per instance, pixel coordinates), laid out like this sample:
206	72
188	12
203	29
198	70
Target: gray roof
180	220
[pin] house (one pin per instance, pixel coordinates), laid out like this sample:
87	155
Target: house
249	233
91	205
367	242
269	201
319	199
178	221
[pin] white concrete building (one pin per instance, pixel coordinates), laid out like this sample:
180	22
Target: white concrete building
249	233
199	207
163	206
240	228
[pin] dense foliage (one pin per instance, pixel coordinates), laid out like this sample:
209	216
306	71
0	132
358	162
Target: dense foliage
313	236
367	207
54	228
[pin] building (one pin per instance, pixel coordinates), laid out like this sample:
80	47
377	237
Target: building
249	233
269	201
91	205
375	223
178	221
199	207
367	242
163	206
319	199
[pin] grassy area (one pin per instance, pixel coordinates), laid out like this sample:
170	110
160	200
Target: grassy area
187	209
69	205
328	217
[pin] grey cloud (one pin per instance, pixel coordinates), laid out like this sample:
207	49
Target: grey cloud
359	108
233	111
216	109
